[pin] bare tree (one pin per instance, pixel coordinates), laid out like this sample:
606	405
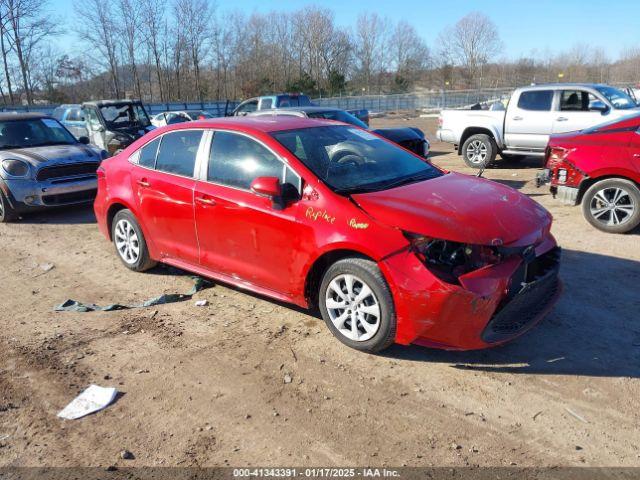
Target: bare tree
152	26
370	47
409	52
472	42
97	24
130	18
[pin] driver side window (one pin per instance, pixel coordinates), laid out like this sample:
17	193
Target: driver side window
236	160
247	107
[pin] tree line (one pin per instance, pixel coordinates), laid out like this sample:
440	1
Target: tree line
189	50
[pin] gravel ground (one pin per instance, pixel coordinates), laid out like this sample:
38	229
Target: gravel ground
205	386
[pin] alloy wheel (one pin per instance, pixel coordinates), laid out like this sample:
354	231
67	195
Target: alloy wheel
127	242
612	206
477	152
353	308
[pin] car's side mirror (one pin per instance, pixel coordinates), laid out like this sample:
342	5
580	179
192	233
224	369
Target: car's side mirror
267	186
599	106
84	140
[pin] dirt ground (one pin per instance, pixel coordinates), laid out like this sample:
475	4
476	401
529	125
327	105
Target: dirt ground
204	386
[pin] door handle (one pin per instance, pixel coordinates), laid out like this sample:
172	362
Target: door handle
143	183
562	119
205	201
517	118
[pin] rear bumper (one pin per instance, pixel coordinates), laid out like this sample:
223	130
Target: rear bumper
27	195
445	135
567	195
490	307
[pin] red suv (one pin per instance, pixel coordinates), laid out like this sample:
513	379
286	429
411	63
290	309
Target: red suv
600	169
317	213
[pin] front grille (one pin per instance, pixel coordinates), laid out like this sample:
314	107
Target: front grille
534	288
416	146
68	198
67	170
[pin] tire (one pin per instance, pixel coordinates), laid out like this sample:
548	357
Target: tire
479	150
130	243
612	205
381	330
7	213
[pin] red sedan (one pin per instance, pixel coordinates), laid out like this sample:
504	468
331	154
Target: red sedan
317	213
600	169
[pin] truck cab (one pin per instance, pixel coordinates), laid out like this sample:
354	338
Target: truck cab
266	102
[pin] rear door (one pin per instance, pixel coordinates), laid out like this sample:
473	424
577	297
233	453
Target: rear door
574	111
529	120
163	182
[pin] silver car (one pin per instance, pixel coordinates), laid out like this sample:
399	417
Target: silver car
43	165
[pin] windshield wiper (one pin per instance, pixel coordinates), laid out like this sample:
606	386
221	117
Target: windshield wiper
385	185
48	144
8	147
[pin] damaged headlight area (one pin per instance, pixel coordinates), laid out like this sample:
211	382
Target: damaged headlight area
449	260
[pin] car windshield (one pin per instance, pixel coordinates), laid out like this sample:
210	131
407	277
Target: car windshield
618	98
37	132
340	116
350	160
127	115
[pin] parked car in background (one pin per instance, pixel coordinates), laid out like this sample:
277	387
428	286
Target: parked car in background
411	138
43	165
115	124
599	168
271	101
532	115
312	212
71	116
169	118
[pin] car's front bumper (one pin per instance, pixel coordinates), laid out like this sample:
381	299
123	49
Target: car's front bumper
26	195
490	307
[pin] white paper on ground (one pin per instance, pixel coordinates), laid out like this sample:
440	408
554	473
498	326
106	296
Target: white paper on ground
93	399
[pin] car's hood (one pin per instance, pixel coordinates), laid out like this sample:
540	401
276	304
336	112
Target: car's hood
460	208
399	134
39	156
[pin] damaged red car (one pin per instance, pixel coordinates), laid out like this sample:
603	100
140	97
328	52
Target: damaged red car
387	246
598	168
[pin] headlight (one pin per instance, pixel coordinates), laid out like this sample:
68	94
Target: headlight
15	168
449	260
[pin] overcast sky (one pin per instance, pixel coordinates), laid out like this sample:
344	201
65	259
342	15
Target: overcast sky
524	26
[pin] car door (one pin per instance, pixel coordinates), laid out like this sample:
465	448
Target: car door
574	111
163	182
634	150
529	120
95	128
239	231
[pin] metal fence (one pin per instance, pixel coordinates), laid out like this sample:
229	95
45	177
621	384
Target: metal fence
218	108
414	101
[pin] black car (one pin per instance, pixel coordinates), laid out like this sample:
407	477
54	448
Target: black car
410	138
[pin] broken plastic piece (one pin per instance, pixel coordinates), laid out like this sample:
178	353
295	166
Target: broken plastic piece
75	306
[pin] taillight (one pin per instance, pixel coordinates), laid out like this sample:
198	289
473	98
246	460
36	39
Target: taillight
558	153
100	173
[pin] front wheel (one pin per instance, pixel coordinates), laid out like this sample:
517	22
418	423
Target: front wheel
612	205
357	306
7	213
479	150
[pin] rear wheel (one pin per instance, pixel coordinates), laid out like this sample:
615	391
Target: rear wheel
612	205
130	243
479	150
357	306
7	213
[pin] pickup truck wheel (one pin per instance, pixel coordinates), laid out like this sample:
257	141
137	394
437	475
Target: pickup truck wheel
479	150
612	205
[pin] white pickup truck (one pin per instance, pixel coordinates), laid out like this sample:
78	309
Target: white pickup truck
532	115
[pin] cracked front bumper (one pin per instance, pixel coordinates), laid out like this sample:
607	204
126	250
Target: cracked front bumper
491	306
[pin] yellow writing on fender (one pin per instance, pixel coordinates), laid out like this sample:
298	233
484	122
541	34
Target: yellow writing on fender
317	214
353	223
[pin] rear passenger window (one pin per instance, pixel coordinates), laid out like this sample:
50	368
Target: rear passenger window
236	161
148	154
536	100
266	103
177	152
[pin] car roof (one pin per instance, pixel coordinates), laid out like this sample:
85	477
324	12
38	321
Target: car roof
557	86
4	116
107	103
264	123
